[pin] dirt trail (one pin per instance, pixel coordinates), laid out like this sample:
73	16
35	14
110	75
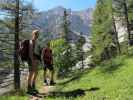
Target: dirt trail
44	91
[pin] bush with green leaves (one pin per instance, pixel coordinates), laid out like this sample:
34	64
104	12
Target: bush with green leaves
64	56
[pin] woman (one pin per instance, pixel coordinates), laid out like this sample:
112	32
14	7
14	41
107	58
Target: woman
33	61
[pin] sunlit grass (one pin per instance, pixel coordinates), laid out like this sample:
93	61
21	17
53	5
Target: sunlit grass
100	83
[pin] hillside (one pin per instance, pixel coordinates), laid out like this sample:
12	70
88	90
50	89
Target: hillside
105	82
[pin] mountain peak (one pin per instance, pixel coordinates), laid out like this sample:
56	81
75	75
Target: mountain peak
58	8
51	20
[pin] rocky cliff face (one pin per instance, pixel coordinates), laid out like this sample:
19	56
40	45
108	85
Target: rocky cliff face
50	21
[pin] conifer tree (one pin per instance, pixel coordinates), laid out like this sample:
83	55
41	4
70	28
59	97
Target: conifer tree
103	42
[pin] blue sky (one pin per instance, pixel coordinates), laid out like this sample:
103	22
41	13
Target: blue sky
73	4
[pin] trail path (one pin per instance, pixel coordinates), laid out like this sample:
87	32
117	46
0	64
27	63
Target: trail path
43	92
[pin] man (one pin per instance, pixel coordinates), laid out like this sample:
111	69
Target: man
48	63
33	61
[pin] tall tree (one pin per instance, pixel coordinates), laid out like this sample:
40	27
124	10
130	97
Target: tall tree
80	52
116	38
16	55
130	10
65	26
13	11
103	42
127	19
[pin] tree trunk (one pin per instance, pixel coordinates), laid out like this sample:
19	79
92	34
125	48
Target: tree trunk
126	18
82	60
115	32
16	55
116	35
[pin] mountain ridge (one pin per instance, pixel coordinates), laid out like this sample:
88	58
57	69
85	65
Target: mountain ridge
51	21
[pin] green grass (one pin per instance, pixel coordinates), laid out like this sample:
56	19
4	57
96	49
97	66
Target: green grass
113	81
13	98
110	81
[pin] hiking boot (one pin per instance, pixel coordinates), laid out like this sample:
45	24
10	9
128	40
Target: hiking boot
52	83
30	91
34	88
35	91
47	81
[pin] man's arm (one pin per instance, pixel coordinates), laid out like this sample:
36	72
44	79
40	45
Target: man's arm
52	56
42	54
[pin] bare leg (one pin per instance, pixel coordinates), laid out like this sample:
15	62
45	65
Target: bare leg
34	79
30	78
35	70
29	89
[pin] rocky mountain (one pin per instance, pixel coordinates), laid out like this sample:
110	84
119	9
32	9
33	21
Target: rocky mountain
50	21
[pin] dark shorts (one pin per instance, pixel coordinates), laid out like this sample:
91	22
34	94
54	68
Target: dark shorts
37	57
48	66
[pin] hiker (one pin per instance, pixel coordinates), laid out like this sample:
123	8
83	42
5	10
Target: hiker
27	54
48	64
33	61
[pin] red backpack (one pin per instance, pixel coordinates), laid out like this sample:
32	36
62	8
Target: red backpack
47	55
24	50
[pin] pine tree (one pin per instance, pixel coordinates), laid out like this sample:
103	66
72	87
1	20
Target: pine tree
130	10
13	14
103	42
65	26
80	53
